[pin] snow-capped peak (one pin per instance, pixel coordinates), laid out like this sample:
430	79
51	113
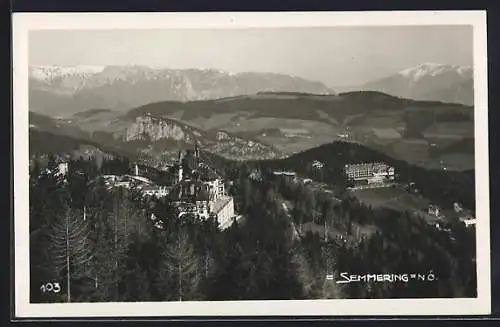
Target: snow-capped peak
433	69
216	70
49	72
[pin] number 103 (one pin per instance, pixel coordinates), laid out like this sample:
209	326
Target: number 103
51	287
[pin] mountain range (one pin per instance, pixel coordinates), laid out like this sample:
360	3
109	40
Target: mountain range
153	112
64	90
428	81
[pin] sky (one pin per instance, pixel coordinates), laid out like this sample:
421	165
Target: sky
336	56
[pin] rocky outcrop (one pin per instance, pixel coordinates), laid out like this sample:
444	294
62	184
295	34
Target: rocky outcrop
161	138
147	128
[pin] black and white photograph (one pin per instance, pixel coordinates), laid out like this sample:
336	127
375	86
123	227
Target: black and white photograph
236	161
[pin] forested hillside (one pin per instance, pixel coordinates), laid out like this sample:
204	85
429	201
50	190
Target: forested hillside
443	187
115	253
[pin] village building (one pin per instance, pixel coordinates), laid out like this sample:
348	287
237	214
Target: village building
433	210
223	208
114	181
457	207
412	188
443	226
122	183
468	220
318	164
155	190
369	173
200	191
158	223
137	180
203	199
285	173
126	181
62	169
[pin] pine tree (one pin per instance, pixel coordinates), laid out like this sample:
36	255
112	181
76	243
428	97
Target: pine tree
41	269
305	274
105	280
137	285
111	246
330	289
70	252
179	274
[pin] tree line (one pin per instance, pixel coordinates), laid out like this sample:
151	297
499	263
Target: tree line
103	245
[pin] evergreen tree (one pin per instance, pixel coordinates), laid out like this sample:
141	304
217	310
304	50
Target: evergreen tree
109	254
70	250
179	274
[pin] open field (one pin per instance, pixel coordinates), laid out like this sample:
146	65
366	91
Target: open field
396	198
453	130
258	123
216	121
414	151
418	152
294	145
456	161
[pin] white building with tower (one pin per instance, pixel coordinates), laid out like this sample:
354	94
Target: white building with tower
203	199
200	191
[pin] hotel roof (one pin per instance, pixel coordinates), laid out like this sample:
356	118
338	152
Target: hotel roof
367	164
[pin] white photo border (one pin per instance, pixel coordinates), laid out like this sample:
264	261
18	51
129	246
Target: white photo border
24	22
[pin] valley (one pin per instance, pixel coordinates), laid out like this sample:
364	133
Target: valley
154	111
271	125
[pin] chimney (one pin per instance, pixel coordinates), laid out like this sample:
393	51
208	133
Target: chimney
179	173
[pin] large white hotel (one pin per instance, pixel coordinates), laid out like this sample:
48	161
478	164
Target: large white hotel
369	173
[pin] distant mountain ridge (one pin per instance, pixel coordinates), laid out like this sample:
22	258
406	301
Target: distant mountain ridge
64	90
278	124
429	82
